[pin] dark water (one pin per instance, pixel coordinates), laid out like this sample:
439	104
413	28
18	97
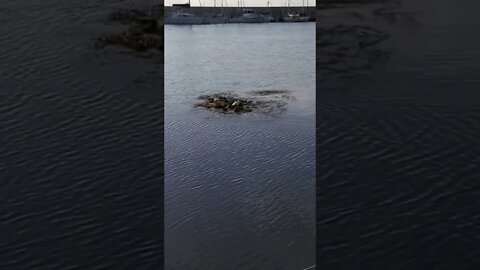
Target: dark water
239	190
81	156
398	147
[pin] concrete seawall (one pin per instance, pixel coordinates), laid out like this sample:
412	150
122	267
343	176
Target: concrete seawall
277	12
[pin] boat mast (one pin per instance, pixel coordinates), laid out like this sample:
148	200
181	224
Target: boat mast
222	11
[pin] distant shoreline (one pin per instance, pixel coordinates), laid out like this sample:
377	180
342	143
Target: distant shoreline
276	12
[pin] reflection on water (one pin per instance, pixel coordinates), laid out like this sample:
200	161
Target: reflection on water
398	144
239	188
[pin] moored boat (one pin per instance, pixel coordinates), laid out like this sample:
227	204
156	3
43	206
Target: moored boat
182	17
250	16
295	16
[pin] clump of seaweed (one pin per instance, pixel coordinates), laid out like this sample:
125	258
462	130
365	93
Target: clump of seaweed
228	103
403	18
126	16
143	34
345	48
362	36
134	38
283	94
269	92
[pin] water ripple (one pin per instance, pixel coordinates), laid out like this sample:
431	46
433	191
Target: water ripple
81	186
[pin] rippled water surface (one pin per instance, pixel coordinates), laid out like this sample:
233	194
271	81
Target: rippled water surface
81	155
239	189
398	164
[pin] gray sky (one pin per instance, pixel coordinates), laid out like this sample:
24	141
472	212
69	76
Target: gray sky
233	3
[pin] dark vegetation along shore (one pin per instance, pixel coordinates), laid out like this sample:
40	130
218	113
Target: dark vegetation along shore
144	31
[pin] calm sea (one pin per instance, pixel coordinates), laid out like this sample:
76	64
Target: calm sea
398	165
239	189
81	142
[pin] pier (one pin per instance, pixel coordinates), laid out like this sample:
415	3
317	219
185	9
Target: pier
278	13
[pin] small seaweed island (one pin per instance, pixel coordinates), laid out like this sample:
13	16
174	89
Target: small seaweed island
144	32
269	102
353	37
